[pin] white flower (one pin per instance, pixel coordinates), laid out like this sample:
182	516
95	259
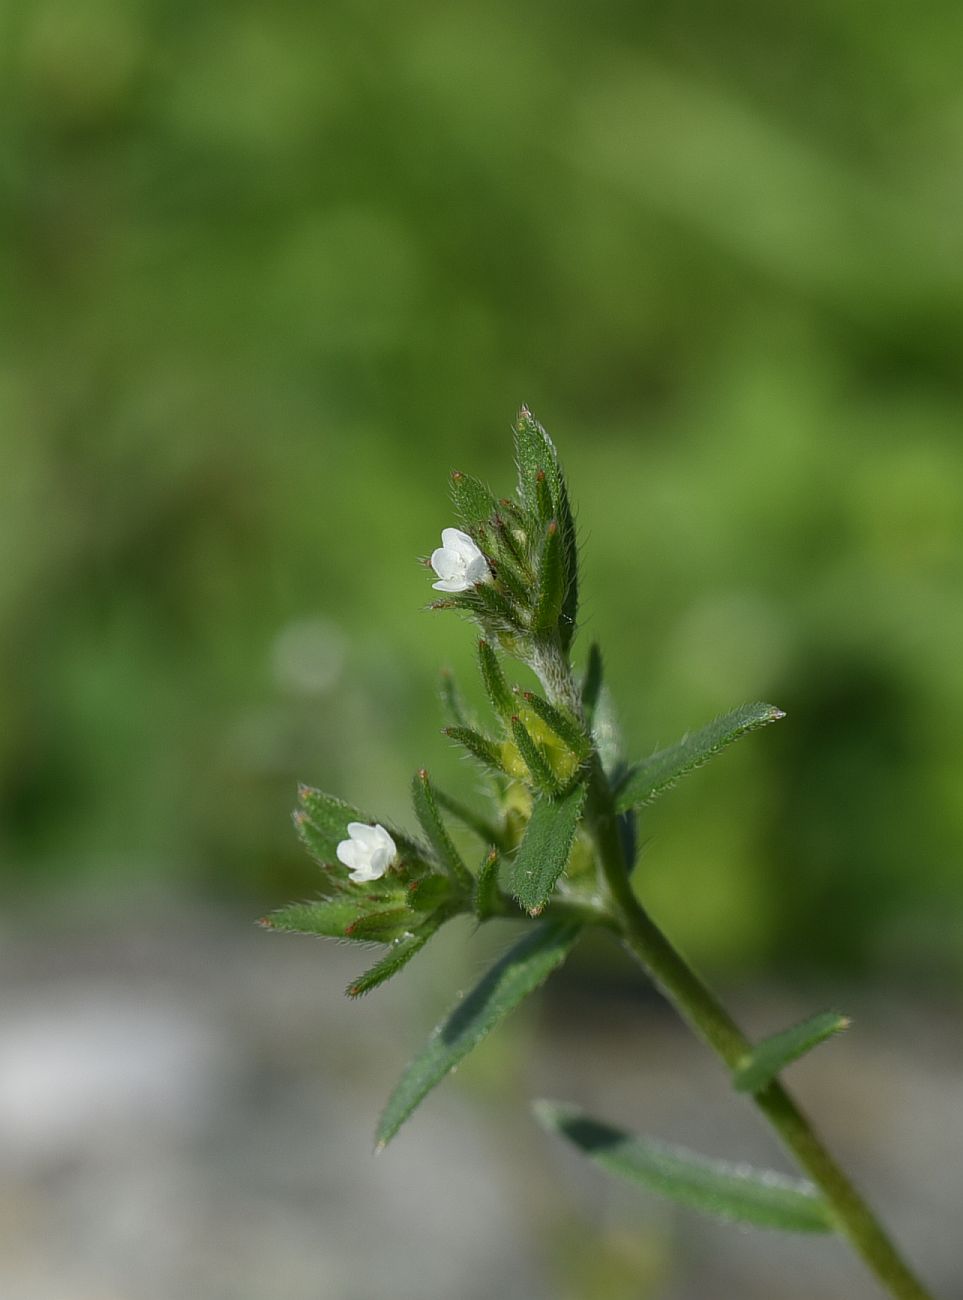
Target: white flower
369	852
458	562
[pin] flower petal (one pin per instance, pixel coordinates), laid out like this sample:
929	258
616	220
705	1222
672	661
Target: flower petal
451	585
453	539
446	563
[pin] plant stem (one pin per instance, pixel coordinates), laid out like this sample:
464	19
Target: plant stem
709	1019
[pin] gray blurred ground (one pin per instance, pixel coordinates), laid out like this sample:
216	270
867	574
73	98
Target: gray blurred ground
187	1103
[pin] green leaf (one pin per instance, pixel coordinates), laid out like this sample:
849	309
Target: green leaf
487	898
535	760
486	830
330	917
474	503
592	682
495	683
321	821
478	746
563	724
645	781
759	1067
519	972
398	955
428	815
534	451
381	927
543	499
729	1191
551	581
544	851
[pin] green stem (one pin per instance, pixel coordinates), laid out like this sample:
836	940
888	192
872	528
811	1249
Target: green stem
703	1012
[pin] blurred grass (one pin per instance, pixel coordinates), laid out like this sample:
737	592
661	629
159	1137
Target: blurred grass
269	271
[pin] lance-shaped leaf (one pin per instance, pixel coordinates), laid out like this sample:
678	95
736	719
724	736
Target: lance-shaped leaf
550	595
487	899
759	1067
535	760
427	813
735	1192
474	503
534	451
544	851
543	498
494	680
381	927
479	746
330	917
592	682
475	821
517	974
563	724
398	955
645	781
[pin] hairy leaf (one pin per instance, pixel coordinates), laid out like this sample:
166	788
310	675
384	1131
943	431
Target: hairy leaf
735	1192
544	851
428	815
398	955
331	917
645	781
494	679
536	761
760	1066
519	972
474	503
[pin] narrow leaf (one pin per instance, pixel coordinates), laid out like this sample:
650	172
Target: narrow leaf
551	581
478	746
735	1192
398	955
535	759
485	830
519	972
495	683
563	724
381	927
544	851
428	815
488	896
760	1066
543	498
534	451
330	917
647	780
474	503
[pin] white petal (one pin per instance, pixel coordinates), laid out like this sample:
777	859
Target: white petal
446	563
364	834
453	539
477	570
352	854
452	584
385	839
363	874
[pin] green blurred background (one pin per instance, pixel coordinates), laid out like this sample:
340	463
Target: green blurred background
270	271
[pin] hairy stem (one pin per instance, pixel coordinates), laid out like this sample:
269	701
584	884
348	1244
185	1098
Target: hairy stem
708	1018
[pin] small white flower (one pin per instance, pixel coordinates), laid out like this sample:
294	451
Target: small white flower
369	852
458	562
